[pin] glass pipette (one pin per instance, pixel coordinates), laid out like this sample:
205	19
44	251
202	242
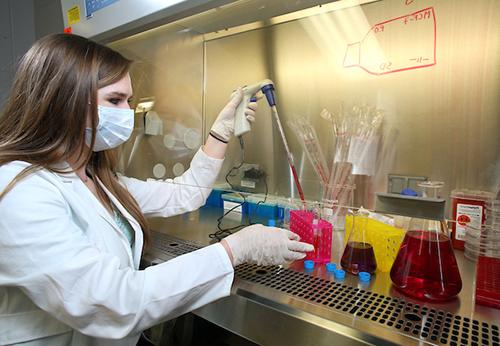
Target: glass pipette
288	154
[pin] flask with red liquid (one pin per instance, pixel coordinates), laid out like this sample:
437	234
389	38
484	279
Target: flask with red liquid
358	253
425	266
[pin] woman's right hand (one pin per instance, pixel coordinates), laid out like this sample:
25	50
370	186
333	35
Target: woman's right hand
265	246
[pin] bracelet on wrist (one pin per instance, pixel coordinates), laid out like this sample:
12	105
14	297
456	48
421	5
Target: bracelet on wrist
217	137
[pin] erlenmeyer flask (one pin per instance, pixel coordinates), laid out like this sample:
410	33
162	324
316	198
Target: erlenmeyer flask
358	253
425	267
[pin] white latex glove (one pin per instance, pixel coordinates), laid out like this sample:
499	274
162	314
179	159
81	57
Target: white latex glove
223	126
266	246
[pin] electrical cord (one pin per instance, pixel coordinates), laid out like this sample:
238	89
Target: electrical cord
224	232
264	179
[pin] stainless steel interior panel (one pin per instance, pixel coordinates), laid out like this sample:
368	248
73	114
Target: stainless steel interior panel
440	121
168	66
234	61
445	116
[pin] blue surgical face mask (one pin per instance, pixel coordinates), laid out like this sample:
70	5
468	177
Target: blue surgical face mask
114	128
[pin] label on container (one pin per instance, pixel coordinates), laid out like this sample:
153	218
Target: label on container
248	183
236	213
230	205
467	215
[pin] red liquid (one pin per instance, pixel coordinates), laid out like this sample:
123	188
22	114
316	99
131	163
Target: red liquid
358	257
425	267
297	184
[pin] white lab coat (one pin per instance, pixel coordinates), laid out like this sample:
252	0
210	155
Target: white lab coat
68	275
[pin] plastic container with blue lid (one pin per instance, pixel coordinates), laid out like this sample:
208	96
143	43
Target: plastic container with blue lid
364	276
271	223
214	199
331	267
339	274
308	264
261	206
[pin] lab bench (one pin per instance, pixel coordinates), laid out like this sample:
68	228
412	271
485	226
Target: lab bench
287	305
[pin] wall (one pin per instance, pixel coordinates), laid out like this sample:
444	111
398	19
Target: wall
17	33
21	22
48	17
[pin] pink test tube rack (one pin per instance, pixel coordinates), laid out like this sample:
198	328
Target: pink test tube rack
301	223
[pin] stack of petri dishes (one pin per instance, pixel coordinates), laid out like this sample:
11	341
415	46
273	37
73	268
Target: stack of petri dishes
492	214
482	241
486	239
483	245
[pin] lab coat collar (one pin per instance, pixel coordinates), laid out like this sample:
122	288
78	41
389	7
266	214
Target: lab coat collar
65	168
138	243
69	176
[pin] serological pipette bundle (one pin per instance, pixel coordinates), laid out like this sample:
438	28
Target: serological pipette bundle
306	135
353	131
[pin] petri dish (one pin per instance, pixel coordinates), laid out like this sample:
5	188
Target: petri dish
192	139
169	141
159	170
178	169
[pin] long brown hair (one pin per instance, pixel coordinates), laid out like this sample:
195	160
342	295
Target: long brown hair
43	123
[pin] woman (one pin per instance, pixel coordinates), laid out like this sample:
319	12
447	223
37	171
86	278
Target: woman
72	231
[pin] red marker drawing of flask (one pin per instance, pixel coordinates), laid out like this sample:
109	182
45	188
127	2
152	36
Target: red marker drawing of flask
400	44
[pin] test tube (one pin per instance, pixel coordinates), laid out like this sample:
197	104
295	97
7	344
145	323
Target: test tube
317	238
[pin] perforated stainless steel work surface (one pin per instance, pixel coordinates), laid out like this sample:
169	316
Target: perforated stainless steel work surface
171	245
419	321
